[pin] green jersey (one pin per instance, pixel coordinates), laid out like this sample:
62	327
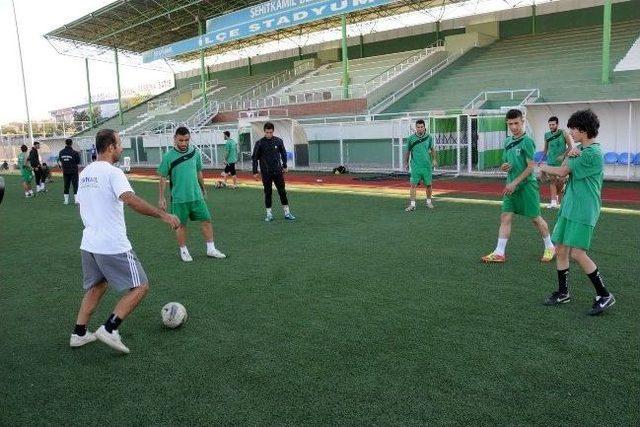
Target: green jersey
581	202
419	148
517	152
556	147
184	175
231	147
22	161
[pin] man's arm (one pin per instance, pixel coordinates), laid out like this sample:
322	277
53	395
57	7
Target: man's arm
434	159
568	140
283	154
511	187
162	202
560	171
142	207
255	157
201	182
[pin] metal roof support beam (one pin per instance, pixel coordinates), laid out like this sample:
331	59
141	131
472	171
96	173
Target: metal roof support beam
115	52
345	59
86	66
606	43
203	78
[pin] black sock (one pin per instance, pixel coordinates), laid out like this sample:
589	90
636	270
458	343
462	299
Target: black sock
112	323
563	281
596	279
80	330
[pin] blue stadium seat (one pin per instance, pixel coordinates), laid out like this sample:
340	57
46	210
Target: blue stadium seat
610	158
636	160
539	156
289	155
625	158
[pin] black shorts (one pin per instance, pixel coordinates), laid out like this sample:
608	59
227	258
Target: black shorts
230	169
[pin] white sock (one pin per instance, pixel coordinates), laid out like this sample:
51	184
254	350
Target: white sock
26	193
428	199
66	198
211	246
548	244
412	203
501	247
286	210
268	211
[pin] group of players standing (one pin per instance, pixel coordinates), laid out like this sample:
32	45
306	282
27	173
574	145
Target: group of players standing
108	258
578	169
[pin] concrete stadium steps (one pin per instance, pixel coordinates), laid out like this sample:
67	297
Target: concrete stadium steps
361	70
543	61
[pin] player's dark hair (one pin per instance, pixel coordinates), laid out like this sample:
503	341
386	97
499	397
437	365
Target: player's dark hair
24	148
268	125
514	113
182	131
420	122
553	119
585	121
227	134
68	142
105	138
37	143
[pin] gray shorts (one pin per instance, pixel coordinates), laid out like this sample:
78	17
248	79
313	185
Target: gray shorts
121	271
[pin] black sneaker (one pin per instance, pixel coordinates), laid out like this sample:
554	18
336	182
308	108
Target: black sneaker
600	304
557	298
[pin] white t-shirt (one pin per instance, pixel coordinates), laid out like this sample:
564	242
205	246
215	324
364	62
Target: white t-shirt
102	211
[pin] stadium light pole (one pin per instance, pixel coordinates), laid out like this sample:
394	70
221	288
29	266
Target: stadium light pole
24	82
203	79
86	65
606	43
115	52
345	59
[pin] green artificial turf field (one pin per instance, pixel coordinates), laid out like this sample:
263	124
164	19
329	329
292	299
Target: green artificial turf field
355	314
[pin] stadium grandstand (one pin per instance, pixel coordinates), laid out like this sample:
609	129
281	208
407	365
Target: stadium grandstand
352	83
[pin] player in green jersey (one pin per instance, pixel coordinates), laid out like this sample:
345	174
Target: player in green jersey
182	165
230	159
25	171
557	143
521	194
580	210
421	149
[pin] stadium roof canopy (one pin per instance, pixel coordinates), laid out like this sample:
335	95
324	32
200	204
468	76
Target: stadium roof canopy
136	26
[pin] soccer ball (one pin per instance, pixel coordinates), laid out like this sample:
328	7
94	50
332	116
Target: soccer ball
173	315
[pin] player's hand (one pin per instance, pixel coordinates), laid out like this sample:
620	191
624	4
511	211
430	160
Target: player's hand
505	167
256	176
172	220
574	152
406	167
509	188
162	204
434	163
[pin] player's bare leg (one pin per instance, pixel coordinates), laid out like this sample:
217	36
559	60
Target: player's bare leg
207	232
429	191
543	229
412	199
90	301
504	232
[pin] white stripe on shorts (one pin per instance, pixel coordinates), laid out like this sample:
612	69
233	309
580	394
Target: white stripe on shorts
135	276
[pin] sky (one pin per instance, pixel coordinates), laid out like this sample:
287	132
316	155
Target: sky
53	80
57	81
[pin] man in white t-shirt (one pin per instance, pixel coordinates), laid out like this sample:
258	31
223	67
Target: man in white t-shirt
107	256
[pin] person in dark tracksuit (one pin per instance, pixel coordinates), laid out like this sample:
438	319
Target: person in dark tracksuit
69	159
34	161
270	153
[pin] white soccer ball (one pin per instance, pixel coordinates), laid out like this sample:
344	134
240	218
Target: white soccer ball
173	315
